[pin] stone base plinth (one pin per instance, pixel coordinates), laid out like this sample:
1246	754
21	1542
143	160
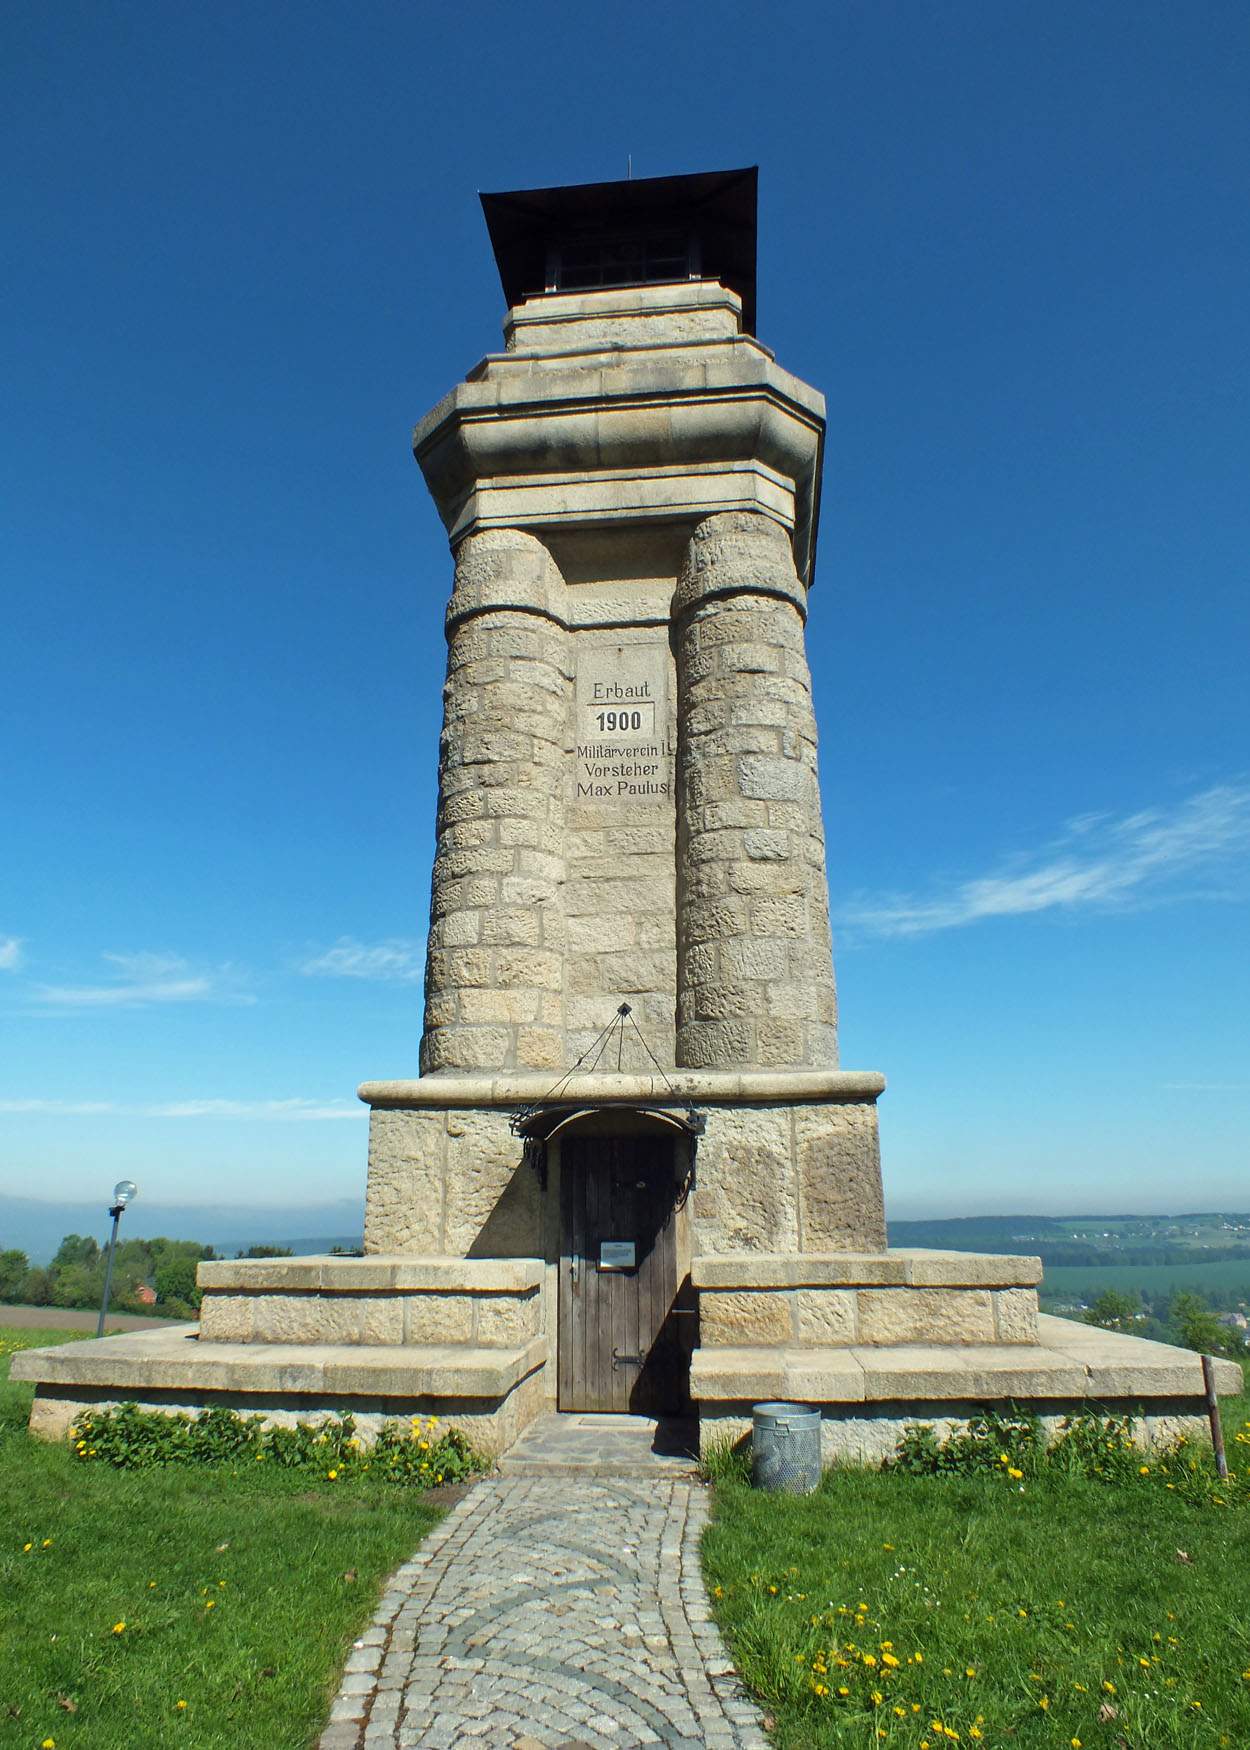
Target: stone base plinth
301	1338
868	1394
491	1303
870	1298
492	1394
789	1161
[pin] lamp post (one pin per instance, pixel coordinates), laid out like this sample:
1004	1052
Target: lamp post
125	1191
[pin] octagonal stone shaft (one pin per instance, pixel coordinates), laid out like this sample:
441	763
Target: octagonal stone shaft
495	970
755	968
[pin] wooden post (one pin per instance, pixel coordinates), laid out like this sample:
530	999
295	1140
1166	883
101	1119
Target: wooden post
1213	1416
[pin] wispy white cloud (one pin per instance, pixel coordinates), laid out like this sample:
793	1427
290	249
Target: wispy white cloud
1099	860
141	980
396	959
274	1111
10	953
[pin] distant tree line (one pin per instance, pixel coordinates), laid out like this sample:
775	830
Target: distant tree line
1078	1252
149	1276
1181	1317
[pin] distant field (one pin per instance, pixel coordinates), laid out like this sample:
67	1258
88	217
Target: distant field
1085	1280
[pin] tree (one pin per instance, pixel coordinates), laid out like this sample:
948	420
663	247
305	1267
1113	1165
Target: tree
76	1249
267	1252
14	1268
1114	1311
37	1288
175	1280
1196	1325
76	1285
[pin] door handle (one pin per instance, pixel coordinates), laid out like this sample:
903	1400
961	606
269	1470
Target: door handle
575	1268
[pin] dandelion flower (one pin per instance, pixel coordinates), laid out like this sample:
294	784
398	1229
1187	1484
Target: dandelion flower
180	1705
119	1628
27	1547
209	1603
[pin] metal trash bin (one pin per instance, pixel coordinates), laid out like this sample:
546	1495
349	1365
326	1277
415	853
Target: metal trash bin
785	1448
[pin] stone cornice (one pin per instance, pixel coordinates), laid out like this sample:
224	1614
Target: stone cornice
704	407
680	1088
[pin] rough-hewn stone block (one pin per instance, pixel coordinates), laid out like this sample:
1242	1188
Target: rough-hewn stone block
826	1316
925	1315
744	1319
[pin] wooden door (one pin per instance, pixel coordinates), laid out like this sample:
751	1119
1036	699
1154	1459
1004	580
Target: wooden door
618	1347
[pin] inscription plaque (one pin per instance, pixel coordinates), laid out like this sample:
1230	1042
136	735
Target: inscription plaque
624	751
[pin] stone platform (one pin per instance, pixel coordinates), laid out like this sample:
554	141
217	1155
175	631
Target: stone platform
290	1338
878	1340
589	1444
868	1394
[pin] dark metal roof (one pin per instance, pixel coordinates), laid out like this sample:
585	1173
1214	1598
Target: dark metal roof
720	205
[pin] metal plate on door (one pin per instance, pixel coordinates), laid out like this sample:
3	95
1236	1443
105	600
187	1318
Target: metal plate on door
616	1254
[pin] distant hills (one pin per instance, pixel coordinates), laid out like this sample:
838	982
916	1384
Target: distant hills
37	1228
1206	1238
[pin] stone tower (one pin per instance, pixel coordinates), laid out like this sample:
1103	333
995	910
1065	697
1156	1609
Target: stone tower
629	811
628	795
630	1175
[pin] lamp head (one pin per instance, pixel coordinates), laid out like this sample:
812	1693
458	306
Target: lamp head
125	1191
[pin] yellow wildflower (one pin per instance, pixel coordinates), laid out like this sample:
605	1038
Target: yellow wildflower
119	1628
180	1704
1014	1473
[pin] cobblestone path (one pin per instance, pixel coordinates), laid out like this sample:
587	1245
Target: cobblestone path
557	1611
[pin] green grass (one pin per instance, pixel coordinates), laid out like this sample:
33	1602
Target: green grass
1009	1597
292	1571
1087	1280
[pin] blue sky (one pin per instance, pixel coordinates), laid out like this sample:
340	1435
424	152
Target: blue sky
244	255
